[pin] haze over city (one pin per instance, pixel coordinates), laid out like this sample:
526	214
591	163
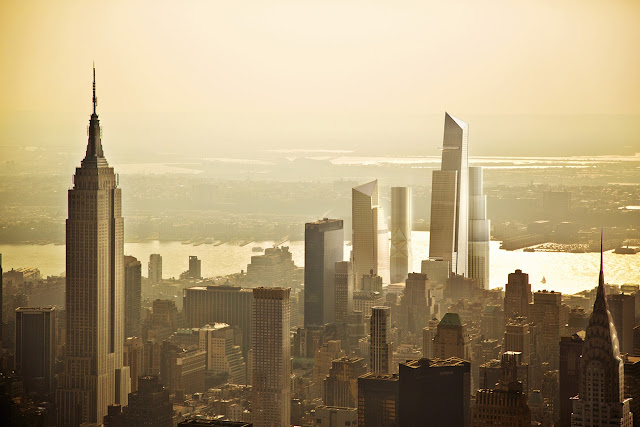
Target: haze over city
355	213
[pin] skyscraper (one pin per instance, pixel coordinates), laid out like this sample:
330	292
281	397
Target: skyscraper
155	268
622	308
450	198
381	345
93	377
36	347
479	230
220	303
414	306
344	291
323	248
569	374
517	295
195	267
378	401
132	296
149	406
435	392
401	261
600	399
368	231
341	385
271	377
451	339
545	311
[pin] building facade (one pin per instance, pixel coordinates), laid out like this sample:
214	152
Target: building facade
233	305
271	376
344	291
479	230
35	355
381	346
93	376
450	198
155	268
323	248
435	392
378	401
132	296
401	224
517	295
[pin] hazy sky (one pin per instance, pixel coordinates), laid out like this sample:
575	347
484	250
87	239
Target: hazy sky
285	61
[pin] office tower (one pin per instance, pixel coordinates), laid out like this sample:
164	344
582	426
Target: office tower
366	215
622	308
273	268
479	230
414	306
545	311
503	406
601	399
182	370
428	334
451	339
149	406
195	267
133	354
401	223
344	291
155	268
450	198
510	368
271	378
378	401
517	337
132	296
517	295
93	377
436	269
341	385
435	392
323	357
365	301
35	354
570	353
371	283
381	345
223	356
323	248
332	416
223	304
632	385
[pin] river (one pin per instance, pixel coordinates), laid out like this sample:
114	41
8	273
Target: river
564	272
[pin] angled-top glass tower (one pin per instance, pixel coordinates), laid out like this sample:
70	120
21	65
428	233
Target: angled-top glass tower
93	377
450	198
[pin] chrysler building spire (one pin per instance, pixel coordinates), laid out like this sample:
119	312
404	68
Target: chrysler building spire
601	399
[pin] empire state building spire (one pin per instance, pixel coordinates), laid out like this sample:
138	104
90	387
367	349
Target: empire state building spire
95	156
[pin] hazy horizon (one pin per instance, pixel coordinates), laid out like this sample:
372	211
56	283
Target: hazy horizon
533	78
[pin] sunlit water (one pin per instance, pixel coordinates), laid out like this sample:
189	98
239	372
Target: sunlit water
564	272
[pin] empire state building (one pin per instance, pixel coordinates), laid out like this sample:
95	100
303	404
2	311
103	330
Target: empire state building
93	377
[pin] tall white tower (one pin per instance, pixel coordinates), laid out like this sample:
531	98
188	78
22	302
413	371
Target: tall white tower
401	262
93	377
479	230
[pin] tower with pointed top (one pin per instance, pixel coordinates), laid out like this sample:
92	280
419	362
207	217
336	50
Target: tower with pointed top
600	399
93	376
450	198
